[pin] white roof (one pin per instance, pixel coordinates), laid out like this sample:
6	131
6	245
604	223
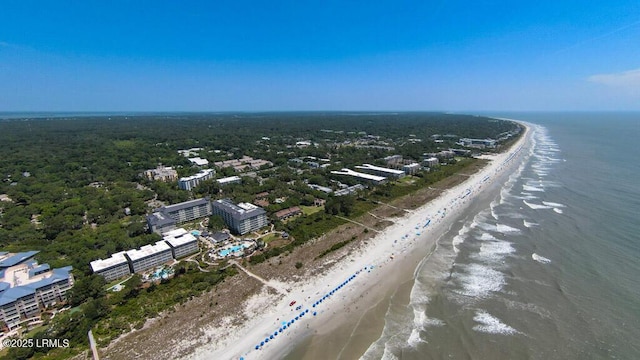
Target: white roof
198	161
247	206
199	175
147	250
175	232
412	165
228	179
115	259
381	169
359	174
179	237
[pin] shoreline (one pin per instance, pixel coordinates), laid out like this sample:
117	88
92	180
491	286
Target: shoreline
354	285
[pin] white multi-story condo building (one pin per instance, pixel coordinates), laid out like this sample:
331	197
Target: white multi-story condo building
113	267
149	256
375	179
189	182
176	244
182	243
229	180
381	171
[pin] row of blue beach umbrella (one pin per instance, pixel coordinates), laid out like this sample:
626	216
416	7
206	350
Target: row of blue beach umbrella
306	311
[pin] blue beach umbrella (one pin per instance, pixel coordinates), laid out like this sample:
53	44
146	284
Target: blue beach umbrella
261	343
257	347
271	337
315	313
314	305
296	318
266	340
306	311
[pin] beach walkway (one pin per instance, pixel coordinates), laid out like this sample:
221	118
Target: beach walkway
357	223
391	206
265	282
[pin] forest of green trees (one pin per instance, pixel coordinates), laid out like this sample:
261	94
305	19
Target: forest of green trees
70	180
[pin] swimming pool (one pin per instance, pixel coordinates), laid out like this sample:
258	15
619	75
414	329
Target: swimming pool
232	249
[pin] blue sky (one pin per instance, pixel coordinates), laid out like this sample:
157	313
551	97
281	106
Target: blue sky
319	55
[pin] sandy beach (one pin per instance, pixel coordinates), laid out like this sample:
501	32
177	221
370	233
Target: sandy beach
351	287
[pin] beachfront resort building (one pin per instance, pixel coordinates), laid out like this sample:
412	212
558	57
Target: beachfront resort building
113	267
27	288
162	173
374	179
189	182
175	244
182	243
149	256
159	223
477	143
165	218
381	171
241	218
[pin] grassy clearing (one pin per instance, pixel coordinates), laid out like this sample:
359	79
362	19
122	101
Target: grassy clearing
309	210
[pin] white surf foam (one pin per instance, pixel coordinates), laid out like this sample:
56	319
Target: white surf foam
506	229
540	259
414	338
459	239
493	211
479	281
559	211
549	203
532	188
536	206
494	251
528	224
487	237
491	324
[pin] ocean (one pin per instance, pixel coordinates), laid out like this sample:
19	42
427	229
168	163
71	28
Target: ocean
543	265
